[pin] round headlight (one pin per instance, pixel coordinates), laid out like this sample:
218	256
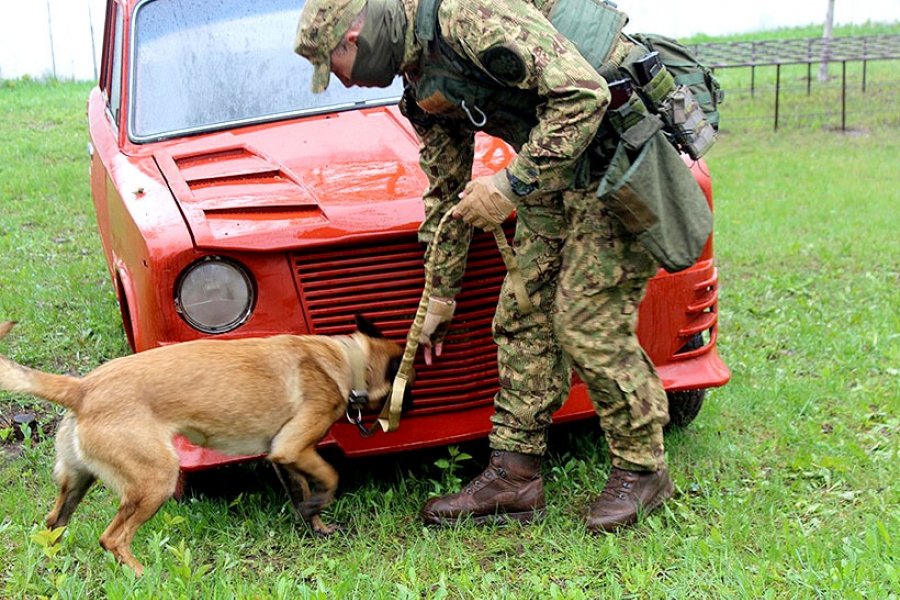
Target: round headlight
214	295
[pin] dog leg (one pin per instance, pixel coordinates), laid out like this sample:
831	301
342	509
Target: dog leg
310	463
145	473
73	485
138	505
71	475
109	539
296	486
294	449
300	494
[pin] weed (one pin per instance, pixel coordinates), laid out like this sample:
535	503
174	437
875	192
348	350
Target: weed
449	467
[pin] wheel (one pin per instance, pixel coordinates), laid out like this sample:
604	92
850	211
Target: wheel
684	407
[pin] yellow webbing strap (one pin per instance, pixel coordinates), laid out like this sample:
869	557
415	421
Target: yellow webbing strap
389	419
512	268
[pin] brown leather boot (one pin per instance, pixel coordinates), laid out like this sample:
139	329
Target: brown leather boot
626	493
510	488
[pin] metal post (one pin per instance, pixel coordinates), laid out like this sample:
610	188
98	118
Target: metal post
865	62
843	95
777	92
753	70
808	67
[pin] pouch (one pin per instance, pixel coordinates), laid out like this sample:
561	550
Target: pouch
687	122
634	123
660	87
655	196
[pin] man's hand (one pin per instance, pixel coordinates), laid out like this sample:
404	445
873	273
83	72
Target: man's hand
437	322
486	201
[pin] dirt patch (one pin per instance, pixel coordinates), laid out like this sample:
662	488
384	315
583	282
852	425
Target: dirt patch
20	423
849	131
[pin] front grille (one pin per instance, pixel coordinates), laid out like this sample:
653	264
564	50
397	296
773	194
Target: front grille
383	280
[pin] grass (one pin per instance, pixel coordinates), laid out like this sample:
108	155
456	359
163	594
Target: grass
801	32
787	481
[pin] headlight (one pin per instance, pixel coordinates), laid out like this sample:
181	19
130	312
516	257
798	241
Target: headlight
214	295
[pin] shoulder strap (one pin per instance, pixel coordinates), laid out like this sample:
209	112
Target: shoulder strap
428	33
426	21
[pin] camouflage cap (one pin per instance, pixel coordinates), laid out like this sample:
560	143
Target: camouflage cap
322	25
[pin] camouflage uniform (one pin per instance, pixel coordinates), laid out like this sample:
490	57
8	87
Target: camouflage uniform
584	273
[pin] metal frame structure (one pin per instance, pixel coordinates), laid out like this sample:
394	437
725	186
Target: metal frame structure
809	51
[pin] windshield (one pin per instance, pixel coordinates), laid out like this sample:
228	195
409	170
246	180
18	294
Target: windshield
206	64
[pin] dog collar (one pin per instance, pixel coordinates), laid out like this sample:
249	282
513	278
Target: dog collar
358	392
359	395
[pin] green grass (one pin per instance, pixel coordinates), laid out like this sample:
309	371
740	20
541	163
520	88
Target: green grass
787	481
802	32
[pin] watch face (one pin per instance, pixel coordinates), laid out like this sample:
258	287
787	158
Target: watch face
519	187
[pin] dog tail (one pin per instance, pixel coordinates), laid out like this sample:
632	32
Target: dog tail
61	389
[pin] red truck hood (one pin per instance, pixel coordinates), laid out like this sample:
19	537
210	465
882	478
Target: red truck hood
288	184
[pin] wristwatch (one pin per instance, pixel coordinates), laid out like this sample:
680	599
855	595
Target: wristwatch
519	187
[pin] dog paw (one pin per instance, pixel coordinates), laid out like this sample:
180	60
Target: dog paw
309	508
322	530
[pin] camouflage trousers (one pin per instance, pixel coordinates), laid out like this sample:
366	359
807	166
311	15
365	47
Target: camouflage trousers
586	276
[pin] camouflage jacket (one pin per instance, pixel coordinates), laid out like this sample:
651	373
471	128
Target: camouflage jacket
556	99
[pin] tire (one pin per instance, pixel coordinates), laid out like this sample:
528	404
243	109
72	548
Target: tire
684	407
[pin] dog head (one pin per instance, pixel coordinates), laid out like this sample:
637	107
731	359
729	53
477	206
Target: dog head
383	357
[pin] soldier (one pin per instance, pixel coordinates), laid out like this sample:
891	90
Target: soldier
501	67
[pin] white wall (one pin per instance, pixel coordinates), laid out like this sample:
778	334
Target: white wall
31	42
36	34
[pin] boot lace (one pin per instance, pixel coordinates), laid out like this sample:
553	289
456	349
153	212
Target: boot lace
618	486
489	475
493	471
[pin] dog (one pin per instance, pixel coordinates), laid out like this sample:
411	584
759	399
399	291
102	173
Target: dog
277	395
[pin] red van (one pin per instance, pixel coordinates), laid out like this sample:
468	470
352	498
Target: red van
232	202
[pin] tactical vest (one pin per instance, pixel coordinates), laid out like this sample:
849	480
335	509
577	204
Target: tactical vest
644	183
452	87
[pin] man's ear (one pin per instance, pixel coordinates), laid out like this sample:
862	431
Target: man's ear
367	327
353	35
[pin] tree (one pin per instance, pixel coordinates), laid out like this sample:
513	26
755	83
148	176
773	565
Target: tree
826	37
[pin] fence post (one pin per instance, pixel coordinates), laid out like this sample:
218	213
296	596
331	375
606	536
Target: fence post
777	92
753	69
808	67
865	62
844	95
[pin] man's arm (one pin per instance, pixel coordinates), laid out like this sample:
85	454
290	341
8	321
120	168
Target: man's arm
446	155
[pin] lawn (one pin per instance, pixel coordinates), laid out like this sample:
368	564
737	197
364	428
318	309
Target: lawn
786	482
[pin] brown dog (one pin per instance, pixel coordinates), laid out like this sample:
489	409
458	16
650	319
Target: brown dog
277	395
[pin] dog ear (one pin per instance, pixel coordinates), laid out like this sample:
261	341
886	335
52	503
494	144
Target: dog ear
367	327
